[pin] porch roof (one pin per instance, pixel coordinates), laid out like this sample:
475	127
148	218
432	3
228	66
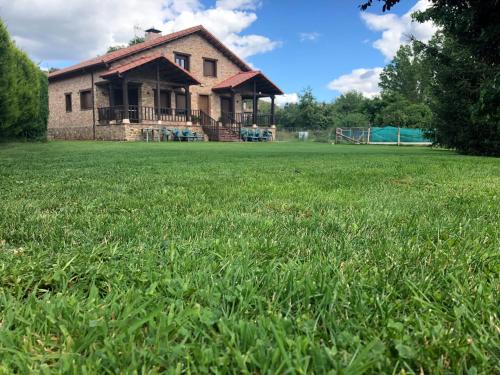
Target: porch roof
168	68
263	84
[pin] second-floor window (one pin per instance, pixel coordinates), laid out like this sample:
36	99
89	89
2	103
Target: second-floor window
182	60
209	67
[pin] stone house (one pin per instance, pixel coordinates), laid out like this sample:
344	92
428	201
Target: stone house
187	79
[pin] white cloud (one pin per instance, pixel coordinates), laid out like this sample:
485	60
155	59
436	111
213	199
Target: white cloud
309	37
226	24
362	80
79	29
238	4
281	100
396	30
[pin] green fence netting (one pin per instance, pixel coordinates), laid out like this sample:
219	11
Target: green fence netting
389	134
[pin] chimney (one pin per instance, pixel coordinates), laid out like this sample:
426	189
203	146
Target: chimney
152	33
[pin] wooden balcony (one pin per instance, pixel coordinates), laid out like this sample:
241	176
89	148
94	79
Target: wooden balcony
248	119
140	114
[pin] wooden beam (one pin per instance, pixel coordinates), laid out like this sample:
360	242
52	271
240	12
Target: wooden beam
254	104
125	99
111	94
233	107
273	122
158	96
188	104
93	103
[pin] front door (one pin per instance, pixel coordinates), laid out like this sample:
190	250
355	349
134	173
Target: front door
133	102
204	107
165	102
180	105
225	109
204	103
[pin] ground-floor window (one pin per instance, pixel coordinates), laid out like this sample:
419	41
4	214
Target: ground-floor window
85	100
69	104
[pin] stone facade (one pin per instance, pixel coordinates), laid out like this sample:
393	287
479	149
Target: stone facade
83	124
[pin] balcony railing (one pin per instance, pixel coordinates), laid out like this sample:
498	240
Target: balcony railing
138	114
247	119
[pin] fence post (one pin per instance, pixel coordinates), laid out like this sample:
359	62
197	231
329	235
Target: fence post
368	140
399	135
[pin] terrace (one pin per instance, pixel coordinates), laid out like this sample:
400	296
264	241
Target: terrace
153	89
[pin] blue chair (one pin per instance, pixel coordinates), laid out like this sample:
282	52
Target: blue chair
267	135
187	135
244	134
176	134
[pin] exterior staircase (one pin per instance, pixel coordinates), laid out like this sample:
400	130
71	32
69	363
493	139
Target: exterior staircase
224	133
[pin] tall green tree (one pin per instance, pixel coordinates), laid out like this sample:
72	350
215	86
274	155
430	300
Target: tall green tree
133	41
8	111
465	98
23	93
407	74
465	75
311	114
350	110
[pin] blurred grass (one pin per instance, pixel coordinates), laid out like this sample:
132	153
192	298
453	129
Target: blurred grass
247	258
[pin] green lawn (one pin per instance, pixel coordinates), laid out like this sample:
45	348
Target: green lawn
258	258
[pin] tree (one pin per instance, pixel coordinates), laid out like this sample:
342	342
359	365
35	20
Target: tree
472	23
8	112
351	101
134	40
23	93
465	99
350	110
407	74
311	114
465	58
463	61
388	4
115	48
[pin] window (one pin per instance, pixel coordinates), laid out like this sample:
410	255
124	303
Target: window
165	99
69	106
209	67
85	100
180	104
182	60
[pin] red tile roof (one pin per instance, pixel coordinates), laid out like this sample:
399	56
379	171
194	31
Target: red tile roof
145	60
242	77
124	52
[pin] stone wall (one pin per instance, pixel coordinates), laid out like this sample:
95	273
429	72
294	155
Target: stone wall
123	132
78	122
71	133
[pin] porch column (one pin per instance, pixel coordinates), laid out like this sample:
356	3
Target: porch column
273	122
112	109
126	119
188	106
233	108
158	104
254	106
111	93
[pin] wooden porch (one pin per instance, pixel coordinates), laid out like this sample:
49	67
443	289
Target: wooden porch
141	91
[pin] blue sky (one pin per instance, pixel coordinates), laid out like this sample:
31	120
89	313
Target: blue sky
343	42
328	45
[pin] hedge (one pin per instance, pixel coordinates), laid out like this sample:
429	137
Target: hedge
23	93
